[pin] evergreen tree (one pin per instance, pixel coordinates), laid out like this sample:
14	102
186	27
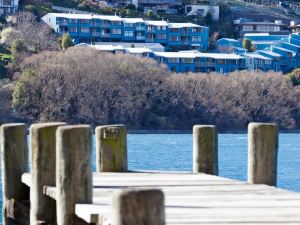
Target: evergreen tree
247	44
66	41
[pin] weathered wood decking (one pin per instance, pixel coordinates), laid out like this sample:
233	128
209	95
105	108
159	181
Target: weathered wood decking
194	199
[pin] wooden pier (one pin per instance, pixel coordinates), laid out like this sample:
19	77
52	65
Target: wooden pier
64	191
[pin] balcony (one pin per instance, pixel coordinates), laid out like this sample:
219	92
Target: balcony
185	33
185	42
63	23
140	38
105	25
204	64
96	34
95	24
140	28
105	34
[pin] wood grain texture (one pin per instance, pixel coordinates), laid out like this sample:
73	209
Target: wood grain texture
194	199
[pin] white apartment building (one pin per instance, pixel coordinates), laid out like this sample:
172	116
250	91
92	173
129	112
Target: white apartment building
8	6
202	10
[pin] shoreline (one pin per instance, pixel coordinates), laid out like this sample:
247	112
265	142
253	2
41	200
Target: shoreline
132	131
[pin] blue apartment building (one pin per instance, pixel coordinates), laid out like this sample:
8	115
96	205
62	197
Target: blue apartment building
89	28
265	40
200	62
273	52
185	44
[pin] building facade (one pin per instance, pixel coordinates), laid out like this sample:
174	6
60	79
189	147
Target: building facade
282	56
264	40
8	6
203	10
87	28
243	26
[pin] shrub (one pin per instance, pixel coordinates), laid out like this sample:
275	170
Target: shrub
83	85
66	41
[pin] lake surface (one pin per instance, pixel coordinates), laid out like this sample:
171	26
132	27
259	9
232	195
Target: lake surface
174	152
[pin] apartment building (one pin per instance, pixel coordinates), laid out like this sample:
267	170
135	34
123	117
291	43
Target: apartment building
243	26
88	28
200	62
203	10
8	6
264	40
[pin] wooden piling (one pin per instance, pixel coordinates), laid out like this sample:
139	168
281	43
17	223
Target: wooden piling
14	164
43	163
111	148
73	171
138	207
205	149
262	153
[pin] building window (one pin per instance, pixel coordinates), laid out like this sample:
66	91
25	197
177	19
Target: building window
231	61
268	62
174	30
173	60
161	36
128	24
128	33
247	28
116	22
84	21
221	61
63	20
187	61
196	38
73	21
173	38
150	28
73	29
161	28
200	12
116	31
84	29
196	29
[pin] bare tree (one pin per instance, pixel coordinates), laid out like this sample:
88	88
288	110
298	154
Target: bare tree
83	85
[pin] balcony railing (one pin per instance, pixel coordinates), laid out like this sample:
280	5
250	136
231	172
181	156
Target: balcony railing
185	33
140	37
204	64
95	24
105	34
63	23
140	28
150	39
105	25
96	34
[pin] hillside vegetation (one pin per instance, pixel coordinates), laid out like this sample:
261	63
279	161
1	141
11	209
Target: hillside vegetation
82	85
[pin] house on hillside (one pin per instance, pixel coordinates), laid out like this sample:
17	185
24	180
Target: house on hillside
203	10
243	26
8	6
169	6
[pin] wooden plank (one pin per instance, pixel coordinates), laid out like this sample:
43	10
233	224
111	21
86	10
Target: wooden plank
195	199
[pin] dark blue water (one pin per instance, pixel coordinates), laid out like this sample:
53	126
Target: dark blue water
174	152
